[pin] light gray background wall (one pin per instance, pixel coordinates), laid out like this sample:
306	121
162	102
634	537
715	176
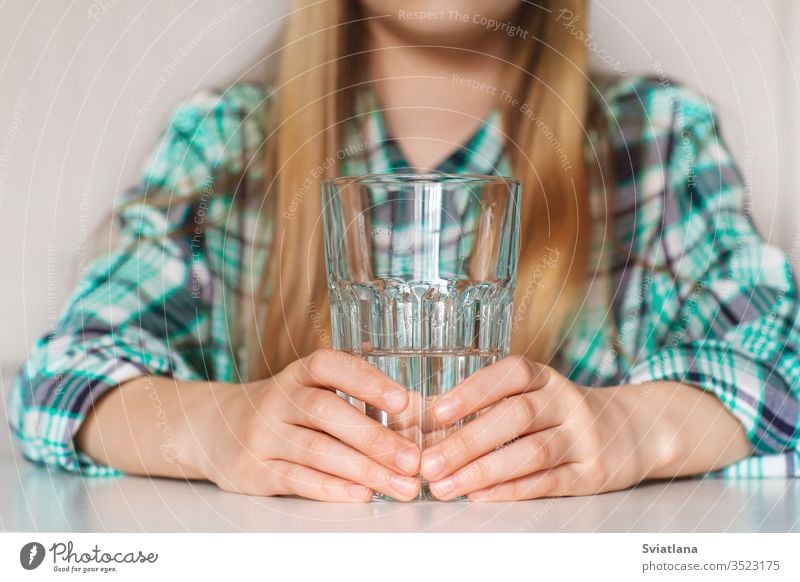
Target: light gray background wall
84	92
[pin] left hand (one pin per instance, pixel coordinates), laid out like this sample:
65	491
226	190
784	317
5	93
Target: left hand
543	436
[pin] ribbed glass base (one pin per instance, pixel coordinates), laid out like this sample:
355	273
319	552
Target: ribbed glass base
424	495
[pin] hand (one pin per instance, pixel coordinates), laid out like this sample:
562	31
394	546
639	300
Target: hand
292	435
543	436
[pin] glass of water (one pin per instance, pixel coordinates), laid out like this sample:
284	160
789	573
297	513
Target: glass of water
421	274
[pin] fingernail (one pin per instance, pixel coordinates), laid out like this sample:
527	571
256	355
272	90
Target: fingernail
480	494
445	410
357	492
432	465
395	400
407	486
444	487
407	460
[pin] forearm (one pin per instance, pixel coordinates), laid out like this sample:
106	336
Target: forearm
154	426
678	430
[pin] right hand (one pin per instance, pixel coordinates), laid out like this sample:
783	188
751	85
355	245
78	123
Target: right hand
292	435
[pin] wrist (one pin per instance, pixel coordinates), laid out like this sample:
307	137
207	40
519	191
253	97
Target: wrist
211	415
656	420
675	429
646	441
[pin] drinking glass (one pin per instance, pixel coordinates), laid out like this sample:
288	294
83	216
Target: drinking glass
421	273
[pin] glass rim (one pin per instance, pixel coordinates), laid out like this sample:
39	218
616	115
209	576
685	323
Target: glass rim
408	177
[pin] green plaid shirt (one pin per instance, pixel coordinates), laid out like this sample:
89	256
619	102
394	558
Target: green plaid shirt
681	286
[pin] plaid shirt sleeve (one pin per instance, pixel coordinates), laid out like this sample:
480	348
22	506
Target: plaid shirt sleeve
138	310
735	330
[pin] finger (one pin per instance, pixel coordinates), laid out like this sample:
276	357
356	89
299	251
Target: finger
293	479
413	414
324	411
324	453
510	376
512	418
530	454
351	375
555	482
418	414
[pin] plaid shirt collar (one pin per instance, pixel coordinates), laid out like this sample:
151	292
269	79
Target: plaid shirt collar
372	149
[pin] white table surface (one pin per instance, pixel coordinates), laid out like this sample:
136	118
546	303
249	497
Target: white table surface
37	499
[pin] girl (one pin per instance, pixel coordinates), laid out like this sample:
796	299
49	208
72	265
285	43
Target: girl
655	333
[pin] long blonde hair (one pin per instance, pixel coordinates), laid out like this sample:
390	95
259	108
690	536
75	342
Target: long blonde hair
545	143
